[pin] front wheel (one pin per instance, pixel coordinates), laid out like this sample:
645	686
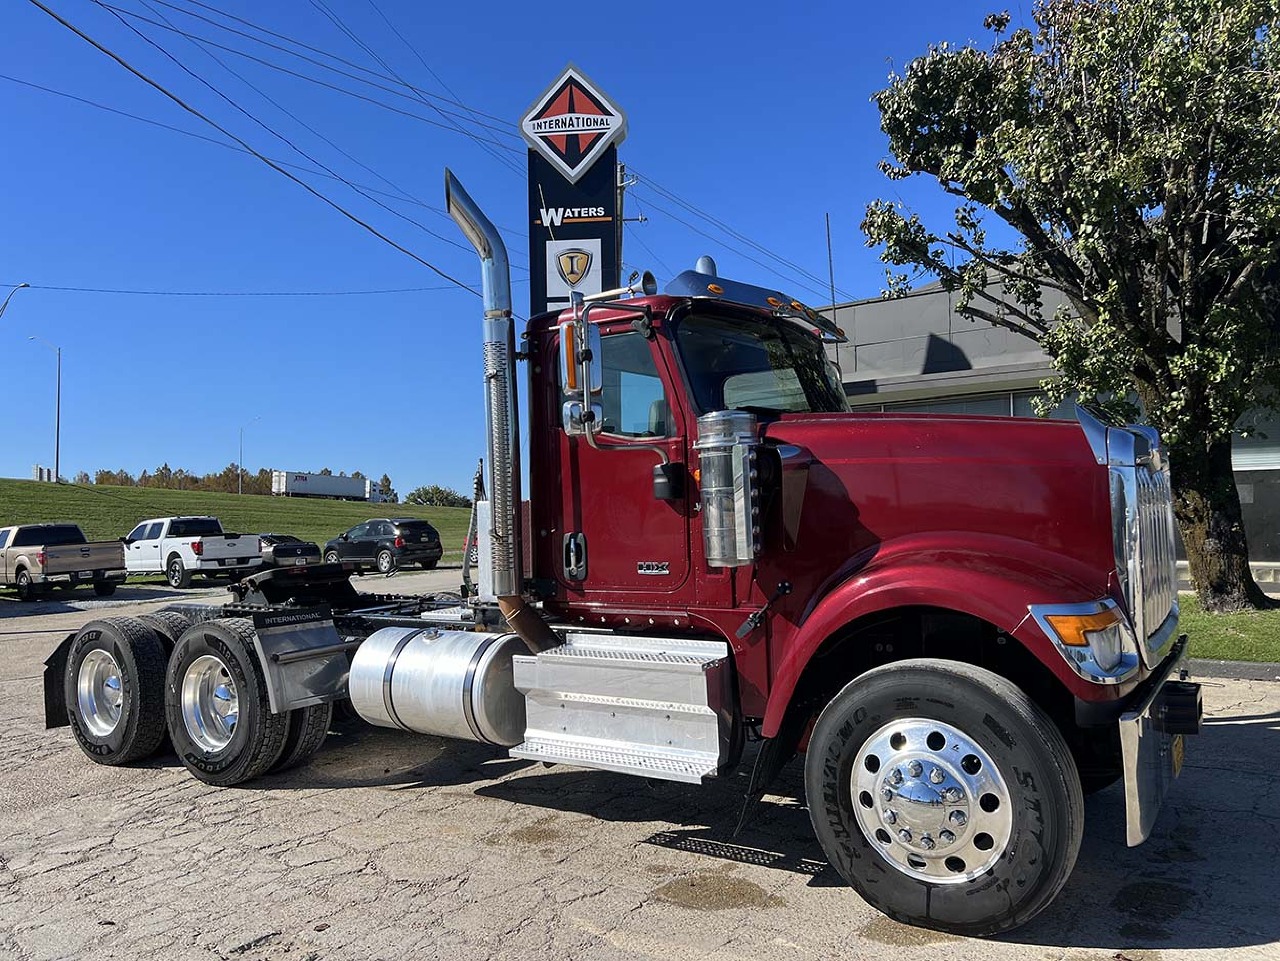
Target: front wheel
944	796
104	588
429	565
386	562
331	557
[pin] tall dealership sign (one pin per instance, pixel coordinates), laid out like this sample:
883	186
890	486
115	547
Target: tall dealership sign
573	131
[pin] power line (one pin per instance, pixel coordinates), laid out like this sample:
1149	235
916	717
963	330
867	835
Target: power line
337	21
283	139
440	211
238	293
504	125
302	76
276	167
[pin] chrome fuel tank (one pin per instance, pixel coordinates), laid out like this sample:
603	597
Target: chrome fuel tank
448	683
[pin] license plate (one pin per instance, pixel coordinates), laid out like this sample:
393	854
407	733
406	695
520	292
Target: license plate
299	561
1177	748
84	573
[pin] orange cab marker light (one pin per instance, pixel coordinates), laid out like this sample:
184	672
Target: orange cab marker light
1072	628
715	289
572	372
773	301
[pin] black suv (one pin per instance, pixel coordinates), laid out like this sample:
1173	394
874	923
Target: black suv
387	543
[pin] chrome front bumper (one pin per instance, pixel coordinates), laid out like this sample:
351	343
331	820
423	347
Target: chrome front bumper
1152	741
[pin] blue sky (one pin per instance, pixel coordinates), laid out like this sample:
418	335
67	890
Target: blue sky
757	114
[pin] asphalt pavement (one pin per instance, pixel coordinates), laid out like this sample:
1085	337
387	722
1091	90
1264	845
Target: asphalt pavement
394	846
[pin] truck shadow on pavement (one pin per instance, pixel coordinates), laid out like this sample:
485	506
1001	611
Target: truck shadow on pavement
1205	878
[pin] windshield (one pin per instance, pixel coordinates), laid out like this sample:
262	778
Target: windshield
748	362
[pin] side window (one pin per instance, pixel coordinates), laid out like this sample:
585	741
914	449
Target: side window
153	531
359	531
138	533
635	404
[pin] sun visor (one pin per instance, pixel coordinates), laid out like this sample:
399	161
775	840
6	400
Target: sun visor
693	283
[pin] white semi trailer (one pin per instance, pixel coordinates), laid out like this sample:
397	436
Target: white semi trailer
288	483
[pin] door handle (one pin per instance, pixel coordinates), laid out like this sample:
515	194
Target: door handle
575	556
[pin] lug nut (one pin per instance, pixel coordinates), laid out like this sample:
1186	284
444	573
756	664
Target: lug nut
936	775
895	777
914	768
904	836
891	817
958	818
946	837
952	794
886	793
926	842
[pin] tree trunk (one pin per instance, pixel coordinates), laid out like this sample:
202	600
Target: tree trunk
1207	507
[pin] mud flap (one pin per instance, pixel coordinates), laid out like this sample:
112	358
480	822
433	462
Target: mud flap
302	656
55	700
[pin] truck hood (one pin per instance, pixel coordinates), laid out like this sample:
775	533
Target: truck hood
958	486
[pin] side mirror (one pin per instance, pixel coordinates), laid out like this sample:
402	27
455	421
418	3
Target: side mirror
345	537
126	541
574	354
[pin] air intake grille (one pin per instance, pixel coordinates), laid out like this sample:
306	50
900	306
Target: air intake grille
1157	562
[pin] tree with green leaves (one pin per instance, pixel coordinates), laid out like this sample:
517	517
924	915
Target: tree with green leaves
1124	154
433	495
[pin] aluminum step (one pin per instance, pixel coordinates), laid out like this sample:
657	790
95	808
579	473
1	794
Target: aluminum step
687	767
656	707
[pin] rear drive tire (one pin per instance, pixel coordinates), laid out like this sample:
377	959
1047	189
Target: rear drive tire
27	590
104	588
176	574
168	626
308	727
220	722
944	796
114	690
386	562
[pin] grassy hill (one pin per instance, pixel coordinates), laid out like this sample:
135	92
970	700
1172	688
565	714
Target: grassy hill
108	512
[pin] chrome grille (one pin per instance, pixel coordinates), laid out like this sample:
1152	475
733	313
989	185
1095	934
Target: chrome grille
1154	578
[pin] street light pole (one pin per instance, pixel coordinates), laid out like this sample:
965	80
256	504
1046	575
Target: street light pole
9	297
57	408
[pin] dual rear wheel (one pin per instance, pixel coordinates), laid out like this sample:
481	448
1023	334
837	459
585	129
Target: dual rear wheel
129	681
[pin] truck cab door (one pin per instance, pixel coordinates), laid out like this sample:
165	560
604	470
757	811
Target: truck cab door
614	542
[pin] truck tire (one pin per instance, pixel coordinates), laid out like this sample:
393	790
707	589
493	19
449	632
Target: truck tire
27	590
220	722
308	727
944	796
114	690
386	562
168	626
104	588
176	574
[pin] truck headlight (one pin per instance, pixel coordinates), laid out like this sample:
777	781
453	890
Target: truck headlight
1094	638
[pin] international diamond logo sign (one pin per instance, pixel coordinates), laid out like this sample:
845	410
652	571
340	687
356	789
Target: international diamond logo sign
573	123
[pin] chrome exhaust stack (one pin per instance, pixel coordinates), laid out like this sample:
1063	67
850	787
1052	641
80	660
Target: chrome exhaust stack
506	578
500	388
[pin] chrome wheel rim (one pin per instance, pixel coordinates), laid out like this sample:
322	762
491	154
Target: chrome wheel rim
931	800
385	562
210	703
175	575
99	693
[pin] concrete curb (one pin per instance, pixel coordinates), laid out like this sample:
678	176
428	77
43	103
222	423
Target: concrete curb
1238	670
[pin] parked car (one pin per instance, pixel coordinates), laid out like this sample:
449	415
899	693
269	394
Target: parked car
387	543
36	557
285	550
181	547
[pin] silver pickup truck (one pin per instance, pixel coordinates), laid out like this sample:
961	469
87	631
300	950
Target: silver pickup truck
37	557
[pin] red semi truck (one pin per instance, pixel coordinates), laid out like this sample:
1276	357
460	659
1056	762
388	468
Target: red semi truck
964	624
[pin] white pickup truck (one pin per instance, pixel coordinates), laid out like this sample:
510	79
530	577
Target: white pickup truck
181	547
